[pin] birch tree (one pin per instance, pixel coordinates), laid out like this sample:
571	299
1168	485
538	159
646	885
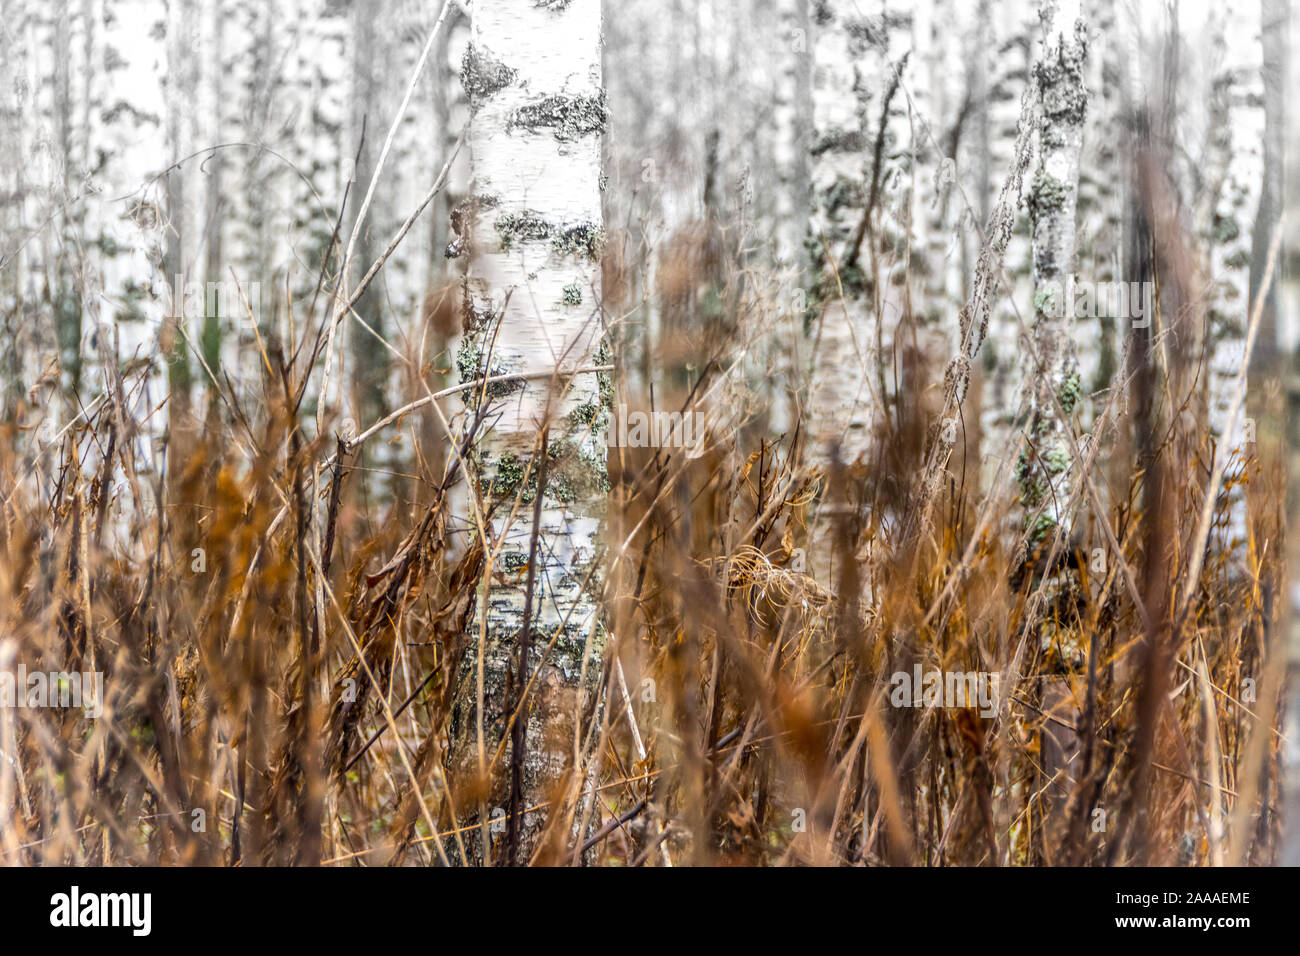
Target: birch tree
791	139
793	97
1101	196
180	88
855	89
533	233
1007	52
1238	112
1046	468
1045	464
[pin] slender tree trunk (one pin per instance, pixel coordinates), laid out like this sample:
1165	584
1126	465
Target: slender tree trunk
791	119
214	207
852	92
1046	465
1235	255
178	100
534	233
1008	51
1046	468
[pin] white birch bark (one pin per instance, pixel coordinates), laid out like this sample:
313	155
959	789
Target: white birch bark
1101	199
533	231
1045	469
180	191
792	184
853	76
791	120
943	124
1240	87
1008	53
322	85
1045	464
134	282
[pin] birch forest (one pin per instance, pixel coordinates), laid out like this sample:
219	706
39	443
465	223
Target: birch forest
655	433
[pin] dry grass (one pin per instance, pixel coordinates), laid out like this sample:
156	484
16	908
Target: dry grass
298	691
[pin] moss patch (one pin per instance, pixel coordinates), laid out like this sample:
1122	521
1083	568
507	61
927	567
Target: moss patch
585	240
1224	229
867	33
1039	528
521	226
567	117
469	365
1061	82
1033	489
575	472
585	416
481	75
510	473
1047	195
604	381
1070	392
838	141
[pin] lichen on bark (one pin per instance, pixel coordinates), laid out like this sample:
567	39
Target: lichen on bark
1059	81
586	240
1047	195
567	117
521	226
469	365
481	75
535	148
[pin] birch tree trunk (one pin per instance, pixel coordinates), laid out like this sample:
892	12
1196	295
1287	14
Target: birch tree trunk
212	100
1100	209
862	232
1008	54
534	233
180	87
1046	467
937	134
855	86
790	117
849	55
792	122
1239	88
